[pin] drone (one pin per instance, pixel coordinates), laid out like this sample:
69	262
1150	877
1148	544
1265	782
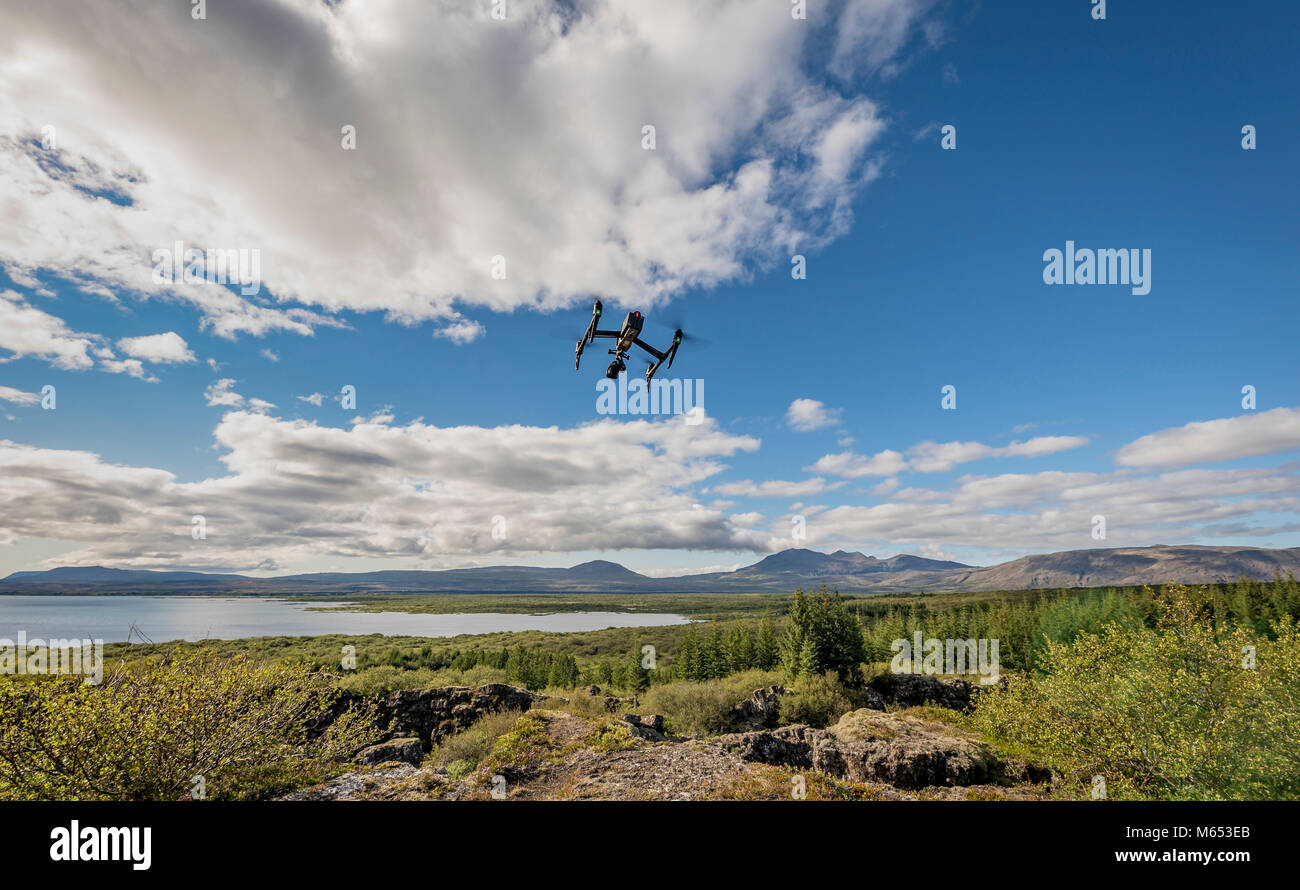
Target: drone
627	336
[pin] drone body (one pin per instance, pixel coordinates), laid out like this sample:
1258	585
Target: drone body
625	338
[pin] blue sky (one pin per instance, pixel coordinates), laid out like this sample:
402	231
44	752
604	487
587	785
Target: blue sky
1123	133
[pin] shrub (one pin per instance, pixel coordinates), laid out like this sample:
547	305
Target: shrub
473	743
152	726
1064	621
690	708
1174	712
817	700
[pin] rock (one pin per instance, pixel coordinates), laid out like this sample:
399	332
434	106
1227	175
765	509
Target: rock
761	709
592	690
867	746
790	746
648	726
400	750
354	786
872	700
910	690
432	714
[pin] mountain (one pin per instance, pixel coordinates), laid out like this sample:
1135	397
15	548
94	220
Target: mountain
779	572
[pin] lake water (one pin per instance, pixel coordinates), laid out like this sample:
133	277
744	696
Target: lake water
163	618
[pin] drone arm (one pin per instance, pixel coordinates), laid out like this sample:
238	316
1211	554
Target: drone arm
650	349
590	334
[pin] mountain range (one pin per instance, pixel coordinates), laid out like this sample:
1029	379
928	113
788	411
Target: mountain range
780	572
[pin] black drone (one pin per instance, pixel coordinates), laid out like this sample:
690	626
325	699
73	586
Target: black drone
626	337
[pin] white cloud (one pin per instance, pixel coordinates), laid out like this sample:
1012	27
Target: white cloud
222	395
775	488
936	457
295	490
168	348
28	331
315	398
535	157
18	397
871	33
806	415
461	332
854	466
269	354
1213	441
1053	511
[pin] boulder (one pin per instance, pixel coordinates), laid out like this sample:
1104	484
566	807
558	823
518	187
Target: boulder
646	726
790	746
432	714
868	746
408	750
761	709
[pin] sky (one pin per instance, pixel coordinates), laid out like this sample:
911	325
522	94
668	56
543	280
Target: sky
847	213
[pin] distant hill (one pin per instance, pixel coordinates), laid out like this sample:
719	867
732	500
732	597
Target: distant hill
779	572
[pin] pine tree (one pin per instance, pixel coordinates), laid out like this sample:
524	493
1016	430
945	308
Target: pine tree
688	657
717	650
766	647
740	648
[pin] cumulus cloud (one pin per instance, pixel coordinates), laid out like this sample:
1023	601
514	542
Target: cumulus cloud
461	332
221	394
1214	441
18	397
851	465
806	415
26	331
936	457
168	348
296	490
774	488
535	159
1054	510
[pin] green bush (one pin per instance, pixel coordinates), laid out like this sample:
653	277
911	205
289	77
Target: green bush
1064	621
151	727
473	743
1174	712
817	700
691	708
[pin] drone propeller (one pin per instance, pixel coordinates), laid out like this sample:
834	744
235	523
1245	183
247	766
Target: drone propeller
677	322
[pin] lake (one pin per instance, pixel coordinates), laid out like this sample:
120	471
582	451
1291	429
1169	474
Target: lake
163	618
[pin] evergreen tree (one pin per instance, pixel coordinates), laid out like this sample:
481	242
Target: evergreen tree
740	648
766	651
688	657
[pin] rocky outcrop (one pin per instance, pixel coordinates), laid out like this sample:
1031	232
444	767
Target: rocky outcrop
790	746
646	726
867	755
400	750
366	785
910	690
432	714
867	746
762	709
